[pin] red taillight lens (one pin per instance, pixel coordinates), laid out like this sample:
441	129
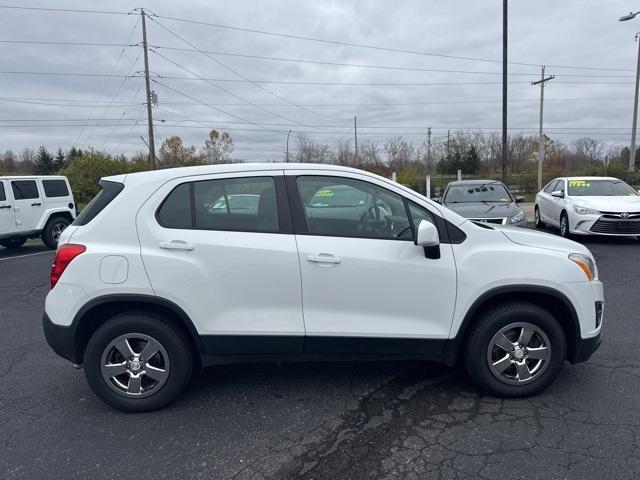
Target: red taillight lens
65	254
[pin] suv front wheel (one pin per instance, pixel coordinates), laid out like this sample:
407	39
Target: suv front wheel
138	362
515	349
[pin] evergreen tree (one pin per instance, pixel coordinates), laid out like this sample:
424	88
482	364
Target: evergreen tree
60	161
44	161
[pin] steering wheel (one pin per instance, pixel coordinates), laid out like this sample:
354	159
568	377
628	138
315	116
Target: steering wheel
403	231
370	224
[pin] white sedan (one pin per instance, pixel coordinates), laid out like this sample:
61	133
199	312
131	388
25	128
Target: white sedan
589	205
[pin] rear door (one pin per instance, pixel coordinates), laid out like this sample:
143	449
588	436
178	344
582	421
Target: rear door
545	201
7	220
222	248
27	203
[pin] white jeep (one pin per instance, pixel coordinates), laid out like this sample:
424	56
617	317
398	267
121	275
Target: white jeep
34	206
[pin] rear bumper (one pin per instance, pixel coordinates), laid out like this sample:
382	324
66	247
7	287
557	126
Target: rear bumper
61	339
584	347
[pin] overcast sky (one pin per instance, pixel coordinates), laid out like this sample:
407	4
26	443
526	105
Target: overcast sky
108	112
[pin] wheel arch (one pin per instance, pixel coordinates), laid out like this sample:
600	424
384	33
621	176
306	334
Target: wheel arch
95	312
49	214
552	300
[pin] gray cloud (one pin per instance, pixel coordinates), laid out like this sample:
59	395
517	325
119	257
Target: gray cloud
558	34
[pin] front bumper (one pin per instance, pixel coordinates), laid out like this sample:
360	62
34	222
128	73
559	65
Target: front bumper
583	348
603	224
61	339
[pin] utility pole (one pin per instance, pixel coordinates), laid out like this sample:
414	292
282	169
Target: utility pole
541	82
632	152
504	91
152	147
355	130
429	149
287	157
448	139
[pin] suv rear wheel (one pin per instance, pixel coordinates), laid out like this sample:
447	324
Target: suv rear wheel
52	230
13	243
138	362
515	349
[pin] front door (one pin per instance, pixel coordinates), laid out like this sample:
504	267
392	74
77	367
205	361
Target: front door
27	203
7	220
223	250
367	288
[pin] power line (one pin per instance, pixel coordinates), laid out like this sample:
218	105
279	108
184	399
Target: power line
228	92
66	44
374	47
65	10
210	105
104	87
235	72
381	67
104	109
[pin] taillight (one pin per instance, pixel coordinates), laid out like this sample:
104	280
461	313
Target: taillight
65	254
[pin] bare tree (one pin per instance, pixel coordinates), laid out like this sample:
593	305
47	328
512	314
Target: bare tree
173	152
217	147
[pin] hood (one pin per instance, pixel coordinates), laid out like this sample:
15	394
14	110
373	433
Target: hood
484	209
532	238
626	203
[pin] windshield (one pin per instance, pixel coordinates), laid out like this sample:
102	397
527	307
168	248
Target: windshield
600	188
471	193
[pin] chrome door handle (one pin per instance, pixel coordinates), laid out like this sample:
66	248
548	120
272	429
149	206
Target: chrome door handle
176	245
324	258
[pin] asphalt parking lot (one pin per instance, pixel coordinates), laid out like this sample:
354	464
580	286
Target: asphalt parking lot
322	420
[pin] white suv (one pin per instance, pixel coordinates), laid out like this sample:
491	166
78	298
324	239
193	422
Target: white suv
35	206
161	274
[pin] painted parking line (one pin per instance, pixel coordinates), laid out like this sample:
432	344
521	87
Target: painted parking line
26	255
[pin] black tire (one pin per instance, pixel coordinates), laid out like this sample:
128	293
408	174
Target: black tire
538	222
489	323
13	243
172	339
564	225
52	230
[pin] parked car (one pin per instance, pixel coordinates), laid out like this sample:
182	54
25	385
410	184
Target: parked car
487	201
589	205
34	206
390	274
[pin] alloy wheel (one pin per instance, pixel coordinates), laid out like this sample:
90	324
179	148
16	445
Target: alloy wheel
135	365
57	229
519	353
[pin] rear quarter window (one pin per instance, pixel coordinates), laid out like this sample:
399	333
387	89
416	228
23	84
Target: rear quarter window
55	188
3	196
110	190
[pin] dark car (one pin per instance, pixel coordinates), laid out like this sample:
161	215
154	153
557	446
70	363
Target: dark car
485	201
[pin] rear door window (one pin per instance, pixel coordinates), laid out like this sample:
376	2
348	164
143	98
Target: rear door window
245	204
24	189
55	188
3	196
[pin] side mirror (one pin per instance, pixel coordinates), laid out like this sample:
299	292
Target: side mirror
427	235
519	198
557	193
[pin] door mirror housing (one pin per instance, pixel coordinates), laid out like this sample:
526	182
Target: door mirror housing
427	234
557	193
519	199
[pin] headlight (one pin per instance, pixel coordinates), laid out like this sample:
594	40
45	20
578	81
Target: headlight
586	263
585	211
517	218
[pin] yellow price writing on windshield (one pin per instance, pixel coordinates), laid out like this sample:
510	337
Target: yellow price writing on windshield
579	183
